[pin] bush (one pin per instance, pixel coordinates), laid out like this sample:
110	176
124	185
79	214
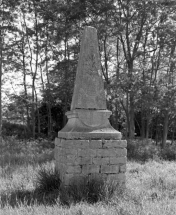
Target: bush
47	181
169	153
144	150
14	129
49	188
91	191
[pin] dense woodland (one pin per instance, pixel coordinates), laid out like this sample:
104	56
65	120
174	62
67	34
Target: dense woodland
39	50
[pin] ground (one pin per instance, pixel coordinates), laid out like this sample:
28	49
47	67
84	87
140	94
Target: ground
150	186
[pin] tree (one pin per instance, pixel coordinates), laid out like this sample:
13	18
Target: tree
6	27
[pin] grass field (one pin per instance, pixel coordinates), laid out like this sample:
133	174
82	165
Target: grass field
150	186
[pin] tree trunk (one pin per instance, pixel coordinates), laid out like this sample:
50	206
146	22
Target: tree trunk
0	87
128	118
156	132
48	91
25	89
131	100
165	129
38	114
142	124
131	117
33	111
116	117
147	126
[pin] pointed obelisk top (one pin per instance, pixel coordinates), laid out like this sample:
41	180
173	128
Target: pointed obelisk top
89	88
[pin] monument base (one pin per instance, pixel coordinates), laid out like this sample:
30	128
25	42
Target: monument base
86	124
90	158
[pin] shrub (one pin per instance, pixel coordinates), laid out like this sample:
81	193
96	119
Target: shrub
91	191
47	181
169	152
14	129
143	150
49	188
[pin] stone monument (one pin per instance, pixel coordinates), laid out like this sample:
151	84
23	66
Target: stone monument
88	146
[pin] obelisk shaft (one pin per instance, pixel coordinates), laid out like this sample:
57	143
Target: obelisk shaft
89	88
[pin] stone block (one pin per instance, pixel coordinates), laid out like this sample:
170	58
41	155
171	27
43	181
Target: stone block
61	167
81	144
71	151
123	168
111	152
58	142
114	143
117	160
61	159
56	150
68	144
120	152
86	153
97	176
103	153
88	169
60	151
73	169
71	159
96	144
100	161
109	169
84	160
67	179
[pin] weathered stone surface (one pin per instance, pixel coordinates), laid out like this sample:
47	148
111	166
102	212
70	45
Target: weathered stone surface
123	168
89	90
86	124
67	179
116	152
95	160
87	169
89	117
117	160
109	169
88	146
98	176
88	133
70	159
100	161
58	142
86	153
84	160
73	169
96	144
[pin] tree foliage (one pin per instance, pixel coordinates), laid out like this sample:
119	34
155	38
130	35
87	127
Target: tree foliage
137	47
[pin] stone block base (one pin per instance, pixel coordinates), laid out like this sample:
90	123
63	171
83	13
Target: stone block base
77	159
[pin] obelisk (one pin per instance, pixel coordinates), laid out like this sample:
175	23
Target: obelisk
88	145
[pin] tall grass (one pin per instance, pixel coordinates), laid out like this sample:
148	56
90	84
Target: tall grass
150	187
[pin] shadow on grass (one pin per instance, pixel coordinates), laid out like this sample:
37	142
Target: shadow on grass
50	190
26	197
65	196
